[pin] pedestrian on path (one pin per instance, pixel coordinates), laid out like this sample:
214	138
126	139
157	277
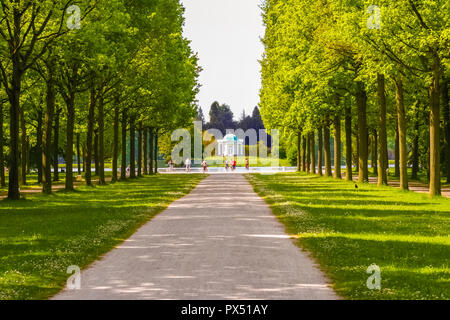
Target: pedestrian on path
247	164
188	165
170	165
205	166
226	165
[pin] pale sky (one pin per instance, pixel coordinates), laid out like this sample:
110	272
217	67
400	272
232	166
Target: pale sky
226	34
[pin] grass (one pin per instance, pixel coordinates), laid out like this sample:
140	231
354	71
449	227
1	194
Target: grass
347	229
42	236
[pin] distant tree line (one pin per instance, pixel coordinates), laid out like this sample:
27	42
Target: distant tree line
222	118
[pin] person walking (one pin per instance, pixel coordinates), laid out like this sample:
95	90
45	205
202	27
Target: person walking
234	164
170	165
205	166
188	165
247	164
226	165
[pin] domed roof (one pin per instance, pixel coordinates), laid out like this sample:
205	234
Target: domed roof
230	137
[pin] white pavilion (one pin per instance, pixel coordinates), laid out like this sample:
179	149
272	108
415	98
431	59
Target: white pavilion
231	146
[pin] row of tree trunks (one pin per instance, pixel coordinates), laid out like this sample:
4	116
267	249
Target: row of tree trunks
337	148
123	169
320	153
435	162
348	142
78	154
132	147
39	132
70	104
374	149
89	138
383	162
415	149
156	151
24	148
95	151
397	153
361	101
308	154
47	135
140	146
446	113
14	102
403	155
312	140
2	156
151	150
326	138
299	151
304	169
115	159
145	137
101	142
56	146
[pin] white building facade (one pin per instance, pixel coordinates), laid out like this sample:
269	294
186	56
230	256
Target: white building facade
230	146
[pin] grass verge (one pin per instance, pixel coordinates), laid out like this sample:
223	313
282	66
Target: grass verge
44	235
347	229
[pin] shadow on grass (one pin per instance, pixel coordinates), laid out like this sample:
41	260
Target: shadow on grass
41	236
348	229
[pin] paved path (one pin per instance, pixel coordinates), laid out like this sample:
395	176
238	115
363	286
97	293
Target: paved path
220	242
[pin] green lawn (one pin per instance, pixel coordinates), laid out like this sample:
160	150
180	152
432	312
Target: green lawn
41	236
347	229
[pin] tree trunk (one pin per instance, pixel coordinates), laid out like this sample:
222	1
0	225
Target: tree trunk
299	151
70	103
382	145
151	150
399	98
90	133
24	148
145	151
312	140
78	154
348	143
375	152
140	137
47	135
132	147
96	163
123	167
304	149
2	155
156	151
56	147
397	152
327	147
39	149
308	153
357	150
320	153
446	112
337	148
415	148
14	102
115	144
435	161
101	142
361	100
